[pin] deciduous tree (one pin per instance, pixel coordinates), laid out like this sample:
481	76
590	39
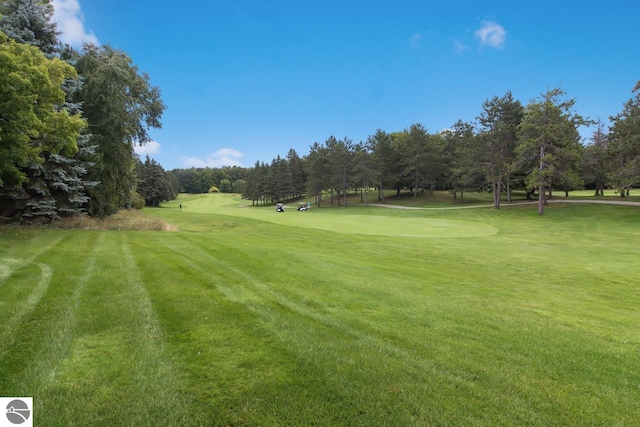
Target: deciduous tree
34	124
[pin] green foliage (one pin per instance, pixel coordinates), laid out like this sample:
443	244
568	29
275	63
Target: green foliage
225	186
624	145
120	105
30	22
137	201
32	123
239	186
214	189
550	143
496	141
597	161
196	181
153	183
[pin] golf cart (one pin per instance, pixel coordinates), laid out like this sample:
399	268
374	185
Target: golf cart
302	207
280	207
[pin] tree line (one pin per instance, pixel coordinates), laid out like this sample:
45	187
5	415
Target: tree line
69	120
536	147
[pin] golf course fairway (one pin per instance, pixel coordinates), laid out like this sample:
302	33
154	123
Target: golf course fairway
360	316
341	222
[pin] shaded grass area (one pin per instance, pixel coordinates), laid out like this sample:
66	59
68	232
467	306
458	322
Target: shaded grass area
240	321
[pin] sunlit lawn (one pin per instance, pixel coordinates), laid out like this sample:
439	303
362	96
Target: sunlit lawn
335	316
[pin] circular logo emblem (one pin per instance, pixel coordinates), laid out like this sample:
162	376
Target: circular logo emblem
18	411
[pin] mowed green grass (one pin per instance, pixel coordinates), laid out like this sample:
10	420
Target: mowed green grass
249	317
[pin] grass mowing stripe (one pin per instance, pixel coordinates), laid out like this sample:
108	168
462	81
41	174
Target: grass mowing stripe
154	373
20	310
301	328
116	348
44	338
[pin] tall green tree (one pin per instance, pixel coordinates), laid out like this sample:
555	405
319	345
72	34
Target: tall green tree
298	175
624	145
57	185
340	160
596	160
121	106
280	180
467	174
364	169
498	123
549	141
317	171
414	147
34	124
386	161
153	183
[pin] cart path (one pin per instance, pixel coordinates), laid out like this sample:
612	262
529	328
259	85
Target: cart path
601	202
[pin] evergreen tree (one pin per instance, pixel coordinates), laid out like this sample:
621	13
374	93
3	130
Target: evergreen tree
36	127
298	175
414	147
597	162
55	185
317	171
624	145
498	122
153	183
386	161
30	22
466	173
550	142
120	106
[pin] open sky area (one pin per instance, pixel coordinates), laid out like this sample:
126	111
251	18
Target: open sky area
245	81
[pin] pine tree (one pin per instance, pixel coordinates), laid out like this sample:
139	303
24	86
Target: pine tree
30	22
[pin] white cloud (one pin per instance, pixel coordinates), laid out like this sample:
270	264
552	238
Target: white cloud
70	20
459	46
223	157
491	34
151	147
414	41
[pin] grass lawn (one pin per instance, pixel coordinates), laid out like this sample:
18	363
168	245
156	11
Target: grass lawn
335	316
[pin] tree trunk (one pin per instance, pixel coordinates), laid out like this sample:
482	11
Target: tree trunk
509	200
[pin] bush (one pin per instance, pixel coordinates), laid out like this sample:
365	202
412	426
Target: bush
137	201
214	189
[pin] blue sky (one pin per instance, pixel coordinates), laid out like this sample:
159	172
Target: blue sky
245	81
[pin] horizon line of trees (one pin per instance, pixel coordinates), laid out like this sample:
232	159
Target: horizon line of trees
536	147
